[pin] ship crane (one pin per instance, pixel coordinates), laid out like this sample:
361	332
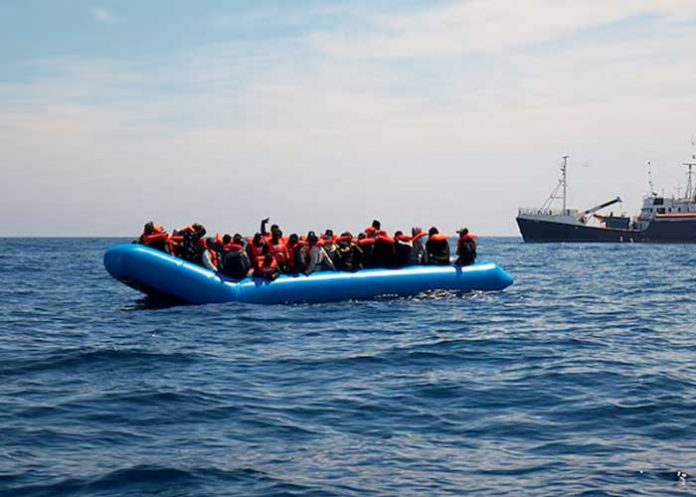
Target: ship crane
596	208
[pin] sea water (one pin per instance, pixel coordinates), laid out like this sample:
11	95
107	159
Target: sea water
580	379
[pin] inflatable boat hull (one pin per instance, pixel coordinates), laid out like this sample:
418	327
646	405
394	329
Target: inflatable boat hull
156	273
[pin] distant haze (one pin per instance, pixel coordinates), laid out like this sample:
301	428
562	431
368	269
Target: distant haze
329	114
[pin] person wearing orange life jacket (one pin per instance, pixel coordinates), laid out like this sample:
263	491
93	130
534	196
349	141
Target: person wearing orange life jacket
266	266
437	248
235	261
255	247
277	248
155	237
316	256
293	255
186	243
210	257
466	247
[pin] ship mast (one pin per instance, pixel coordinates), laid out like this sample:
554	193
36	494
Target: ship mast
690	193
564	180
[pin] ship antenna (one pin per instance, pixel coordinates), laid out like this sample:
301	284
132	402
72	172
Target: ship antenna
650	181
564	170
690	193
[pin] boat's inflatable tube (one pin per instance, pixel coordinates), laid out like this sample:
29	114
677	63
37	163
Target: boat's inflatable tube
156	273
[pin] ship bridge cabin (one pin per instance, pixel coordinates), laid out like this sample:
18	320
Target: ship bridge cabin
656	207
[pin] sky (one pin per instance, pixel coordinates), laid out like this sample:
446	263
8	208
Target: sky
329	114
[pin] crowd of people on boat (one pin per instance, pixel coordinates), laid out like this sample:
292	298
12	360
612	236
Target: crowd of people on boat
270	253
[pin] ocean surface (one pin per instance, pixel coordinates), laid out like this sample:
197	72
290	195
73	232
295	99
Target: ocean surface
578	380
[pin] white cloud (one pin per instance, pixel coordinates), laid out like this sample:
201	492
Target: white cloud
492	25
101	14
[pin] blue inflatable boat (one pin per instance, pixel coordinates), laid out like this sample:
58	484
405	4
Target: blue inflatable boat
156	273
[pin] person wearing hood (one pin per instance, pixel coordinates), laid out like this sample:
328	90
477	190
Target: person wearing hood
418	253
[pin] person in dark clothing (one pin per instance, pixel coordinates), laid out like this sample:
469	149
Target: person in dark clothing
266	234
437	248
466	248
367	246
383	251
293	255
402	249
188	244
349	255
235	261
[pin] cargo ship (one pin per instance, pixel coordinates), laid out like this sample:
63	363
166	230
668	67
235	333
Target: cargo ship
661	219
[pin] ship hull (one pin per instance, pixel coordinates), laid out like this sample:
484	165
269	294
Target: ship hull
543	231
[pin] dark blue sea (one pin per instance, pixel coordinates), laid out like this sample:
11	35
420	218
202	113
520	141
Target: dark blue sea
578	380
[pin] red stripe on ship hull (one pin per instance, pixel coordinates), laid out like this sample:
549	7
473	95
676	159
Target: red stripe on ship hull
676	216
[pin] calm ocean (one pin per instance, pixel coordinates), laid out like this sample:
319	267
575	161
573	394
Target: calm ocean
579	380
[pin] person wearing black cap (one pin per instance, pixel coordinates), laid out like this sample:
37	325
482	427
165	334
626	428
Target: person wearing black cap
466	248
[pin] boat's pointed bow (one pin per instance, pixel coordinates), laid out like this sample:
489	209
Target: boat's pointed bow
113	260
504	278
